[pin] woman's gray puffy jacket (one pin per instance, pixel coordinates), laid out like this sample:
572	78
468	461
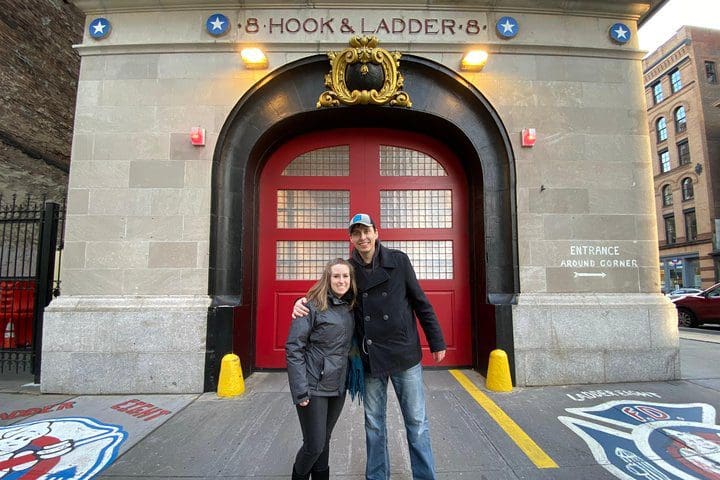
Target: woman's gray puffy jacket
317	350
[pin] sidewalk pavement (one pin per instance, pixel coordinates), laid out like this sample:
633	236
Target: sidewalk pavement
657	430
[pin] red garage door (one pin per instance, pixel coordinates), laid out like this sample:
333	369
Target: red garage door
411	185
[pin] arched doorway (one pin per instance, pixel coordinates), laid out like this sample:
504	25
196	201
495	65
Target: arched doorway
411	184
283	106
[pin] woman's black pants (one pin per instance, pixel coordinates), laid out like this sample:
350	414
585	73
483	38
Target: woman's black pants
317	421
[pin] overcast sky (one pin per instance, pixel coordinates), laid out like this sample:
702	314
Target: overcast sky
675	14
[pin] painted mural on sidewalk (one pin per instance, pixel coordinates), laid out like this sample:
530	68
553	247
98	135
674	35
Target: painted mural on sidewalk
638	440
61	448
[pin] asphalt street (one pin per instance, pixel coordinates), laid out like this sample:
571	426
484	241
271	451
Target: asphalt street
657	430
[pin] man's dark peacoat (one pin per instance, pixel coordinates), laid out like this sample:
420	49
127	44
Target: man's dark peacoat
389	297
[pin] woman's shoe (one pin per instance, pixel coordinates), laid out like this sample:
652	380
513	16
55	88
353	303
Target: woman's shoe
321	475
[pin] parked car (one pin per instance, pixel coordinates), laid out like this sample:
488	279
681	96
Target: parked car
681	292
699	308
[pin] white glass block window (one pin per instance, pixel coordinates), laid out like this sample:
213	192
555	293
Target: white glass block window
313	208
403	162
304	260
416	208
431	259
323	162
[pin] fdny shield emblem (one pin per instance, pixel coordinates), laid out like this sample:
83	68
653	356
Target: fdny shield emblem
61	448
645	440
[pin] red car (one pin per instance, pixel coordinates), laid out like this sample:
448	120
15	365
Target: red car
703	307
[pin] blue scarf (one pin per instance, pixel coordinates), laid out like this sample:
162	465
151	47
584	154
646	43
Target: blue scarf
356	373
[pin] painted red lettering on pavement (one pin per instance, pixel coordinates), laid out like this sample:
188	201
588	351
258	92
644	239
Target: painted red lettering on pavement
65	405
147	412
631	412
35	410
123	406
654	413
139	409
159	414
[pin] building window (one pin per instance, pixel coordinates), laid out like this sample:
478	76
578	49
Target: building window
661	129
687	189
683	152
710	72
666	196
680	121
690	226
679	272
670	236
664	157
675	81
657	92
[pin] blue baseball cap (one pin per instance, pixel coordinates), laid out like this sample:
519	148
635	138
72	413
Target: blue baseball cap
361	219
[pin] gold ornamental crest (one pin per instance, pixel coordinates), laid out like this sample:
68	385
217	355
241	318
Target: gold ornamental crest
364	74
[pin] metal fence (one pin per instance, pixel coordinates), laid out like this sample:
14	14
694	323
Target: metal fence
30	253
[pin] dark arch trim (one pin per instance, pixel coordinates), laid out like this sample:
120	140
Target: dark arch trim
282	105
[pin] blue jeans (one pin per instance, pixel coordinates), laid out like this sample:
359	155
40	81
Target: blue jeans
408	387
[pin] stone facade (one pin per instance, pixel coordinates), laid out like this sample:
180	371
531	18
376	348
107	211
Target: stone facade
39	75
687	187
140	198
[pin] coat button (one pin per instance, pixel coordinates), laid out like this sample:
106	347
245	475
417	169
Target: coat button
385	317
384	294
367	318
365	294
369	342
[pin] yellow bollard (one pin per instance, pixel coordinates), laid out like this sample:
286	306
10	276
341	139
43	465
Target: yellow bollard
498	374
231	381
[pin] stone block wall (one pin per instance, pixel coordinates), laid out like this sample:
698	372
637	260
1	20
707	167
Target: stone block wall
588	180
137	236
139	192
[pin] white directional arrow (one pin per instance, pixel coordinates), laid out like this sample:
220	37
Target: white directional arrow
583	274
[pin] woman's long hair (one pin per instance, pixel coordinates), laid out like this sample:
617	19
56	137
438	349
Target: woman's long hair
318	293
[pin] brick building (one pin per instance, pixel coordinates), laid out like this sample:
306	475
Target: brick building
39	72
681	90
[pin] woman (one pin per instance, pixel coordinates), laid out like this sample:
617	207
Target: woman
317	360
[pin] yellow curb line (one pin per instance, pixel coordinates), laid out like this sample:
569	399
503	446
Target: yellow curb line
517	434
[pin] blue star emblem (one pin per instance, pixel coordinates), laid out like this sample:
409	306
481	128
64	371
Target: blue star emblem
99	28
217	24
620	33
507	27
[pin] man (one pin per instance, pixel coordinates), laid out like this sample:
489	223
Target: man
389	298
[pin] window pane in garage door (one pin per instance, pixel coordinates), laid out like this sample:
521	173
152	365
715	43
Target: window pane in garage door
313	208
431	259
304	260
404	162
323	162
416	208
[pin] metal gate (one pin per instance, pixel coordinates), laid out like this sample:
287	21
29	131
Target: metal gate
30	247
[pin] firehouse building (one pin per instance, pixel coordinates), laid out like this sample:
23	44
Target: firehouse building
219	150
